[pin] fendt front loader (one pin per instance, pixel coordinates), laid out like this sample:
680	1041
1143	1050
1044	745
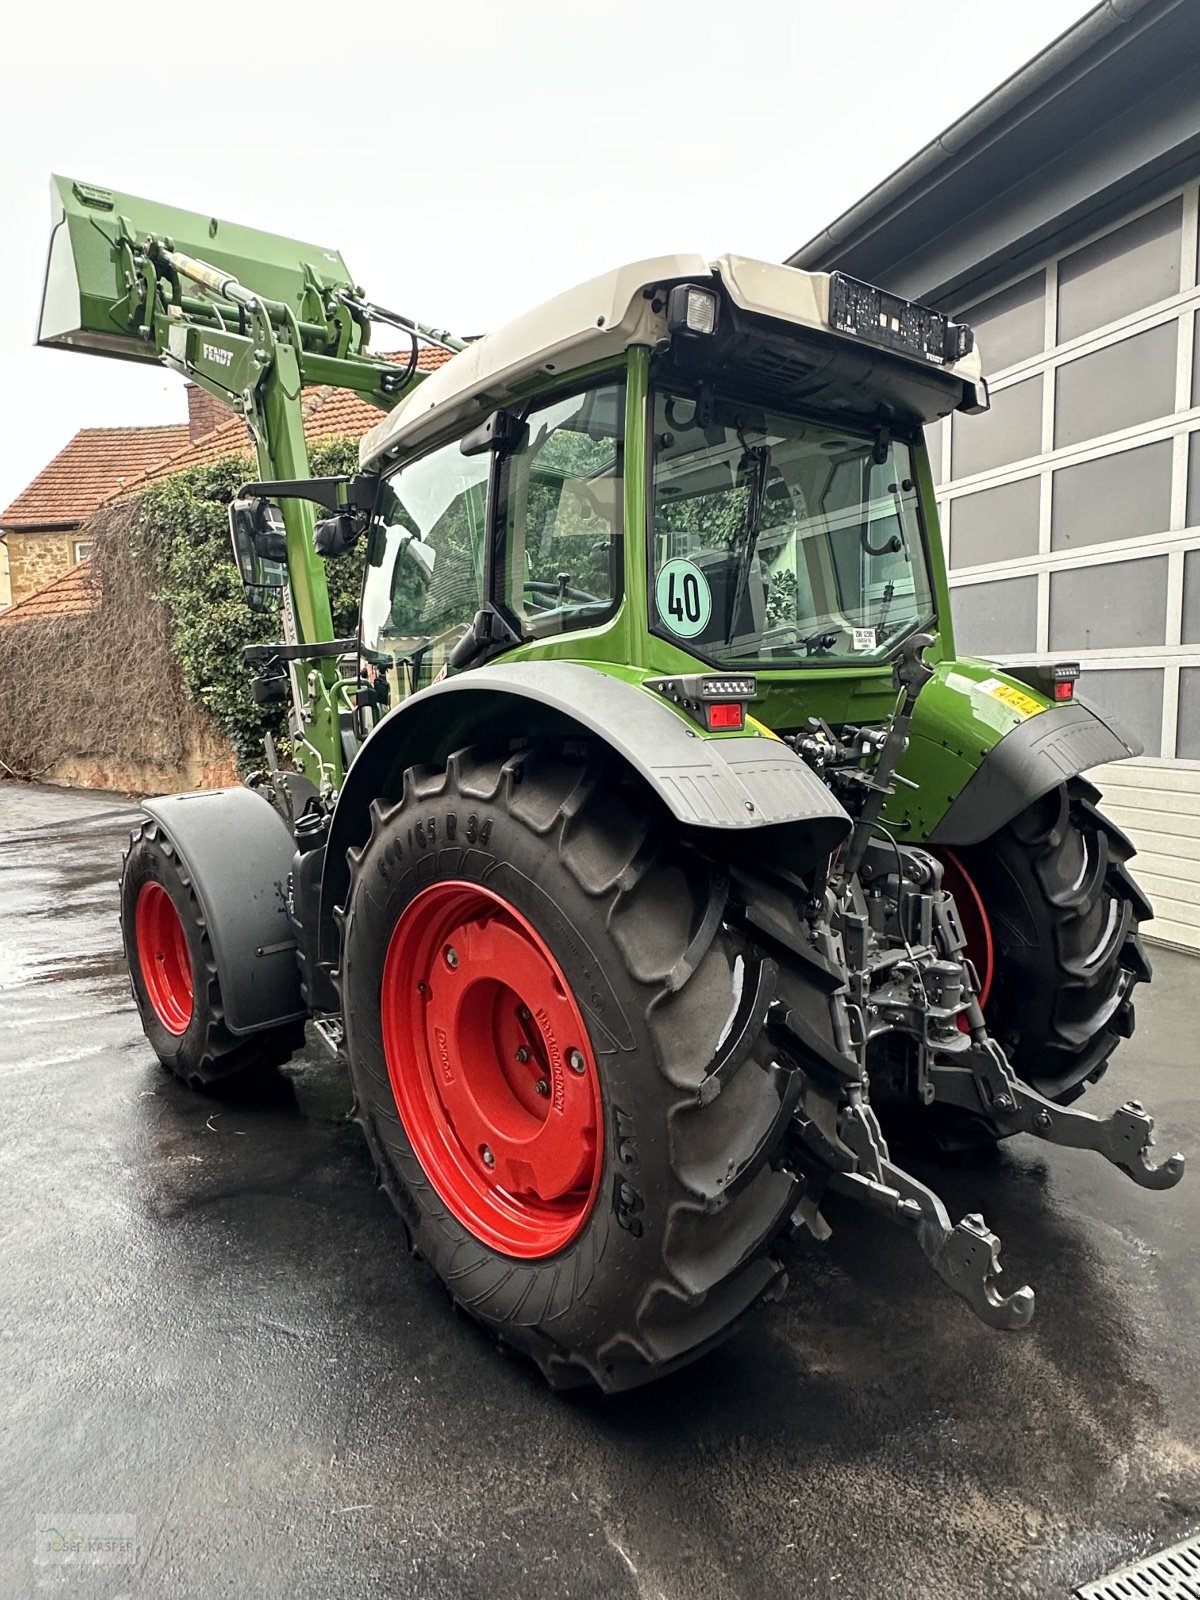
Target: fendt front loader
650	838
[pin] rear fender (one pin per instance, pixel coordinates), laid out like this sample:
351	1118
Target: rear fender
983	746
744	785
237	851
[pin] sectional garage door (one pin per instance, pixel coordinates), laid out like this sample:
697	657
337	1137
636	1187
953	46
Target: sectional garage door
1071	512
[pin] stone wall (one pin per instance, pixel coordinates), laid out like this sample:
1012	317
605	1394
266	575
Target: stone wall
207	762
35	558
95	696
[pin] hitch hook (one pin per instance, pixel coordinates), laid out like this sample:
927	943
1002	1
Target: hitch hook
966	1255
986	1083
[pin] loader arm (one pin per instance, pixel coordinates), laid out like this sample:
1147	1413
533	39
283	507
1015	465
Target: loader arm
254	319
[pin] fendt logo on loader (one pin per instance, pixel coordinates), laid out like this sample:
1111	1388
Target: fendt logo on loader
222	358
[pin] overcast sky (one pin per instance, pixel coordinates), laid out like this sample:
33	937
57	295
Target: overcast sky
468	159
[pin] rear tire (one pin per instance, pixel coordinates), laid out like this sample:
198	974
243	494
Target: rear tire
174	977
1063	914
668	1244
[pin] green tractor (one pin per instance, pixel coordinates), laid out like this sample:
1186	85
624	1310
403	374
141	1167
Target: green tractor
650	852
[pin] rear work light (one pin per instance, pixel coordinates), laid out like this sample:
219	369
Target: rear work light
716	701
1056	680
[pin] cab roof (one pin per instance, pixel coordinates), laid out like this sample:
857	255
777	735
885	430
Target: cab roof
594	322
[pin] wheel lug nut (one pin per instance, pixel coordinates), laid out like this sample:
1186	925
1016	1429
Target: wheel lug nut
489	1159
522	1053
542	1087
451	956
576	1062
523	1013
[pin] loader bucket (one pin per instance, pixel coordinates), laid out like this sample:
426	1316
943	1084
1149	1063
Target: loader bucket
86	300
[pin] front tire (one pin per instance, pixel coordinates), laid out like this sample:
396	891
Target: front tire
636	1235
174	977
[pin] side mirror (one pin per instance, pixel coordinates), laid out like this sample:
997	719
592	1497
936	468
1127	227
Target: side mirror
502	433
259	541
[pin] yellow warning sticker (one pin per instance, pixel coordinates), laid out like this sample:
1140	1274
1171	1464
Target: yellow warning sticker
1014	699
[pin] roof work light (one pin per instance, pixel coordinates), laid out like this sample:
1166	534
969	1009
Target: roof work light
692	309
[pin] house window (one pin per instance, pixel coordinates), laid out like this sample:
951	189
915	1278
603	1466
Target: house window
1132	697
1119	605
1188	732
1113	497
81	549
995	524
1191	598
1122	384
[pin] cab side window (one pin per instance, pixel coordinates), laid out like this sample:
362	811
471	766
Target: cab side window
425	566
561	509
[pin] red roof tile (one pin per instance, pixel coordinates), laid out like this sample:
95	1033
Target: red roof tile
68	595
340	411
328	413
104	464
89	470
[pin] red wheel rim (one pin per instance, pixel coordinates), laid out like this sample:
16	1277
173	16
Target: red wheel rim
972	915
492	1069
163	957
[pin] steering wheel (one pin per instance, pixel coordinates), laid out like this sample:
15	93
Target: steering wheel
555	594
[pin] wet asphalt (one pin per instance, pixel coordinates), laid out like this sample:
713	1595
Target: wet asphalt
209	1329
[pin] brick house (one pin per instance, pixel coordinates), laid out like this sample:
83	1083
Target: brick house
44	531
43	527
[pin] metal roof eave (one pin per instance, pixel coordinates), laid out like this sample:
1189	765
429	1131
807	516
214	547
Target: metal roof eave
925	229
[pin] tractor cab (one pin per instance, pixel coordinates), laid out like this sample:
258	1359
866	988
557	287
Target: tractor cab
681	465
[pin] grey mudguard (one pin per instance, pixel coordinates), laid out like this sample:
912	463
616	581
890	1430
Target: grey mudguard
741	784
237	851
1028	762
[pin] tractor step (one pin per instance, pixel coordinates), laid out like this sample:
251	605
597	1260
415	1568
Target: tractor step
331	1032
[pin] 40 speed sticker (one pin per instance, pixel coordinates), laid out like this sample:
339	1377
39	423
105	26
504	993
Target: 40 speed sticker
683	598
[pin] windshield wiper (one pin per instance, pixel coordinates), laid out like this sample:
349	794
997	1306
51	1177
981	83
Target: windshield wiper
755	464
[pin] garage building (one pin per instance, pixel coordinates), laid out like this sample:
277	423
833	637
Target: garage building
1060	218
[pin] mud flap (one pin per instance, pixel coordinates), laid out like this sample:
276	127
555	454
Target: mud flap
237	852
